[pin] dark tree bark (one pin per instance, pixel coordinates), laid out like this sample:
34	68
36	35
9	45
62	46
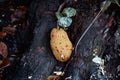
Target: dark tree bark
38	63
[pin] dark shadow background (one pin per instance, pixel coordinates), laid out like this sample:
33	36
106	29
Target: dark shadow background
37	60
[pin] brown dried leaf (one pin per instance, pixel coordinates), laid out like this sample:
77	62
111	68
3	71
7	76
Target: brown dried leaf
3	49
23	8
53	77
118	68
2	34
4	52
9	29
5	63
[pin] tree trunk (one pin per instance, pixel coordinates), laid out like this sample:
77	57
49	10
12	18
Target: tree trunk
38	63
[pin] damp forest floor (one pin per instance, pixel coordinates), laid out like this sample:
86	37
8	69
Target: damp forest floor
25	29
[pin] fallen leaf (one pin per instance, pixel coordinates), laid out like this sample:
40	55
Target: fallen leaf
9	29
3	49
2	34
53	77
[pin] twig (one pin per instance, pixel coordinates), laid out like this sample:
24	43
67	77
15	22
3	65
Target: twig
61	6
81	39
97	16
117	3
67	64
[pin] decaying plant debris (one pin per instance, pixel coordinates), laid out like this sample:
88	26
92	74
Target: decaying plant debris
96	55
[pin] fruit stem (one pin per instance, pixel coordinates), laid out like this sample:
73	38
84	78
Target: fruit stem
58	27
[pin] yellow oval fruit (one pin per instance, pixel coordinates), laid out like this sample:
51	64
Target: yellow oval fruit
60	44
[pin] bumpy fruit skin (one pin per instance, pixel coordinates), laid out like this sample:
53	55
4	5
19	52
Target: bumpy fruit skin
60	44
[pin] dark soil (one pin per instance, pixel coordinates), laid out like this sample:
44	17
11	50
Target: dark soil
35	60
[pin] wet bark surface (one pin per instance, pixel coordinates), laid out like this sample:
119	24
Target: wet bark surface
38	61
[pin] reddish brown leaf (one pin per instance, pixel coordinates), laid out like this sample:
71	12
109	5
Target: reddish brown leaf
2	34
3	49
9	29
